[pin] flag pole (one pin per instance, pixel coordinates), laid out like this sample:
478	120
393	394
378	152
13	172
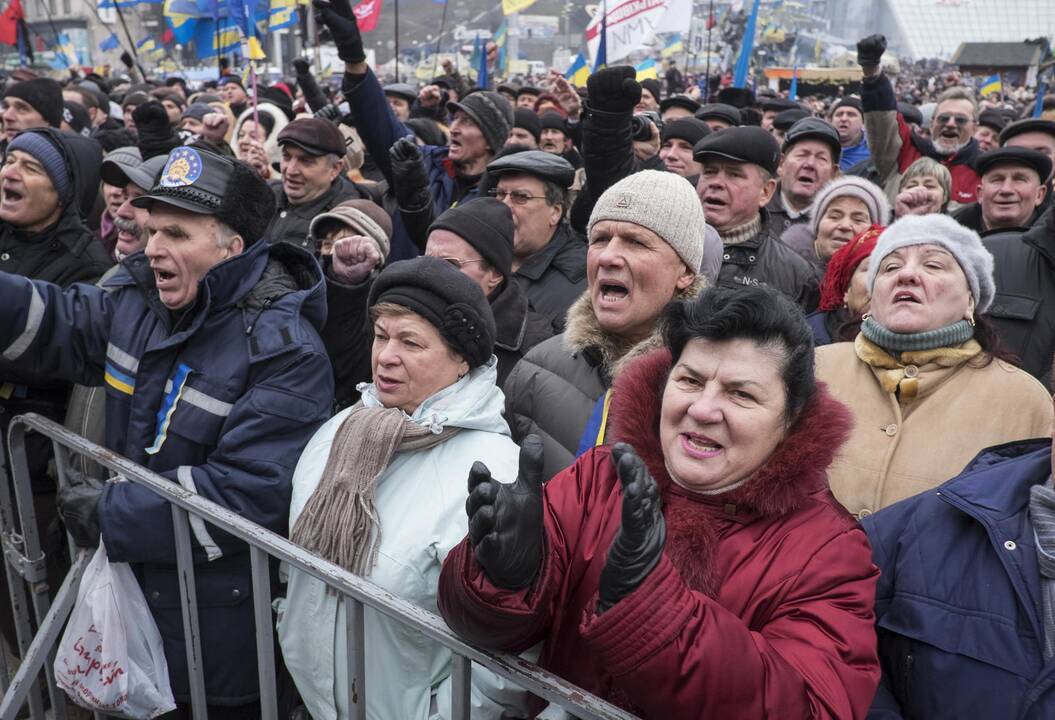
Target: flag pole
707	73
397	38
443	24
131	42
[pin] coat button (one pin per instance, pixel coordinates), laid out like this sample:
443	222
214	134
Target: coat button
725	257
865	512
154	595
282	214
911	371
5	257
751	258
1010	545
890	429
236	593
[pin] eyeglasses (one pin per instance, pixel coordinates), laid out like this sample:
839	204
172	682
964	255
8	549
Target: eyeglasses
960	120
458	262
519	197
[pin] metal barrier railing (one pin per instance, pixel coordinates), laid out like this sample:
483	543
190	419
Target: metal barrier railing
24	563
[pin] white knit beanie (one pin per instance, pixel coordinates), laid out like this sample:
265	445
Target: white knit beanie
664	203
850	186
962	243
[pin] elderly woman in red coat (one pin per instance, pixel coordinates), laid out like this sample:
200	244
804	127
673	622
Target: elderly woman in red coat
700	567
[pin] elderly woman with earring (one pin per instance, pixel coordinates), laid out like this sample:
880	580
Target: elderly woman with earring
844	293
380	491
923	378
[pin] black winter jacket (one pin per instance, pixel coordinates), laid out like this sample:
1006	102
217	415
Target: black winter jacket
1024	308
555	277
607	156
764	260
291	222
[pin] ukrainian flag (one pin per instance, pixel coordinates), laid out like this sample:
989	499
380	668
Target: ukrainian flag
147	44
282	14
181	17
991	85
674	45
579	71
647	70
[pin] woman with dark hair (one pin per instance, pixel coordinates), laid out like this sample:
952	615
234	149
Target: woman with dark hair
698	568
924	372
844	294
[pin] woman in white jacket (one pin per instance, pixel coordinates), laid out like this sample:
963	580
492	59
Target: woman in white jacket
380	490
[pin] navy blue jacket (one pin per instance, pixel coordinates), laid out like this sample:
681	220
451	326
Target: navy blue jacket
223	404
958	605
379	128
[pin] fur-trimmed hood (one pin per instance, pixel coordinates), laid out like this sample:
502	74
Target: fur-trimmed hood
797	468
583	334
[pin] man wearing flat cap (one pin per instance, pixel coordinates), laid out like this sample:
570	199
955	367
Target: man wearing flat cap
555	138
1011	191
401	97
809	159
207	343
313	180
738	180
549	258
427	180
719	116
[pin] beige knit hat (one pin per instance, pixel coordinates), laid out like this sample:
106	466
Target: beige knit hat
362	216
664	203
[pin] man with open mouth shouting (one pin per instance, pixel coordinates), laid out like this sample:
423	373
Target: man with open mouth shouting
646	248
215	375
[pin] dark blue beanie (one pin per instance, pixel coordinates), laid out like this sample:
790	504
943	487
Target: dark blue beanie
43	149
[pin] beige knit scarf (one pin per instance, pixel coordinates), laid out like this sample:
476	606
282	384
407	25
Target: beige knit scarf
339	521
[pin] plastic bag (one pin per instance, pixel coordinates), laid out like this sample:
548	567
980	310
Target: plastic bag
110	657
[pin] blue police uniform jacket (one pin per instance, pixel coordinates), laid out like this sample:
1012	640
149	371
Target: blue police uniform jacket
958	604
221	402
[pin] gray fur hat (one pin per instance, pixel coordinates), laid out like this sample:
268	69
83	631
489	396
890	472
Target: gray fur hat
962	243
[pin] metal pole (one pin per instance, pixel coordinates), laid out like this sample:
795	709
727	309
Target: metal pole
707	72
131	42
397	39
443	24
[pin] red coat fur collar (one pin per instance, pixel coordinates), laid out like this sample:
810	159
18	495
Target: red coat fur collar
797	469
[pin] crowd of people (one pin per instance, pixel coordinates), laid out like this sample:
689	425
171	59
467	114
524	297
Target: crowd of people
716	404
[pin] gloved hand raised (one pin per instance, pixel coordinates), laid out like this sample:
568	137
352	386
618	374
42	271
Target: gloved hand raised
410	184
338	17
870	50
638	545
77	501
302	66
614	89
505	520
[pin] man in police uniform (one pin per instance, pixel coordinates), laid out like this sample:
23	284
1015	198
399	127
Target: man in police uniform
215	378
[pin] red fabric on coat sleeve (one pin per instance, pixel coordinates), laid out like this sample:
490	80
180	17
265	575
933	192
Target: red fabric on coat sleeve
814	658
492	617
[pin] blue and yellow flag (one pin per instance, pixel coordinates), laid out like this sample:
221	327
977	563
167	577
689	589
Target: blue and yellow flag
110	43
601	61
991	85
282	14
646	70
674	45
579	71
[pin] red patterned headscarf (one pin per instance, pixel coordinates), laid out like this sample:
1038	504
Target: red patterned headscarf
842	265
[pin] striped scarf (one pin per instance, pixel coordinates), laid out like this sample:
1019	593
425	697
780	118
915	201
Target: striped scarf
1042	515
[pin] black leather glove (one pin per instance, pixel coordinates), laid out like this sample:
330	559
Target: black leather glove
505	521
77	501
330	112
302	66
638	545
410	184
614	89
870	50
127	60
337	16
